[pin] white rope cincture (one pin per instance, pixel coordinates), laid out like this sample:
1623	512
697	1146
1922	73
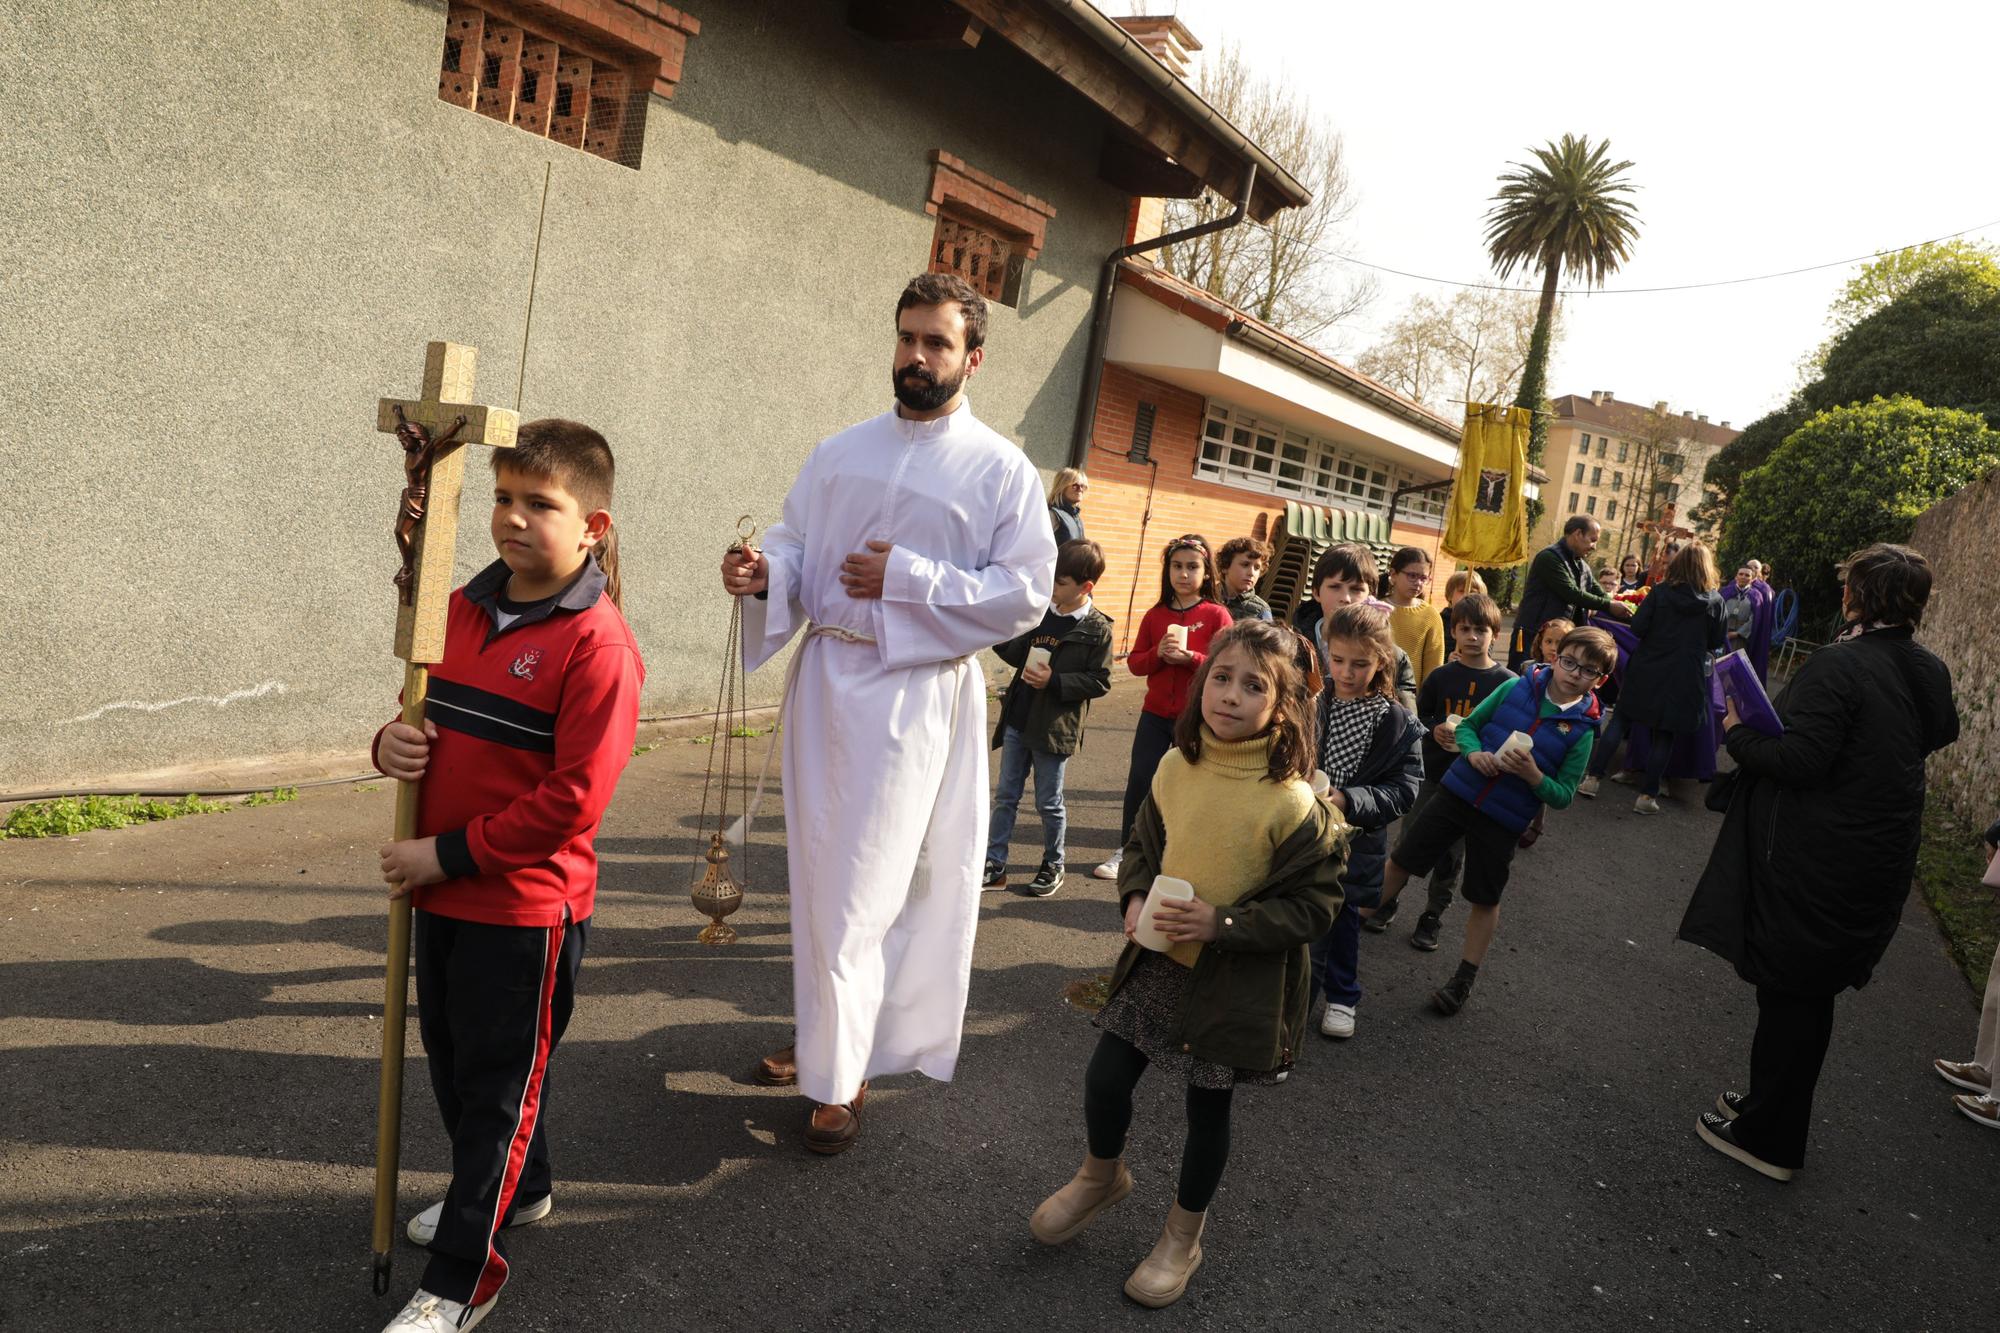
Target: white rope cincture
739	832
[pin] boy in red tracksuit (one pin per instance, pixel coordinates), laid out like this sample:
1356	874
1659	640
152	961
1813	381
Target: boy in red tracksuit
529	722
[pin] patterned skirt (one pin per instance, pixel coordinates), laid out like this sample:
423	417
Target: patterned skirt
1143	1012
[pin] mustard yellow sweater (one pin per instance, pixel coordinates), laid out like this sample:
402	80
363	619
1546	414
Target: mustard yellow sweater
1419	631
1225	820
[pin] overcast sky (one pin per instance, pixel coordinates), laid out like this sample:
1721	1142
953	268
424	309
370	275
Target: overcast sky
1764	137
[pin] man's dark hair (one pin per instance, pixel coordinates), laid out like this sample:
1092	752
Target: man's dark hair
1082	560
1476	608
1887	584
1350	561
1579	523
944	289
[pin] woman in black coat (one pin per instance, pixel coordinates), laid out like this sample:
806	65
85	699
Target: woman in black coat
1665	688
1808	876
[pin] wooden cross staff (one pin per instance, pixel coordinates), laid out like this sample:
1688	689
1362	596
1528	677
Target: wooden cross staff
432	430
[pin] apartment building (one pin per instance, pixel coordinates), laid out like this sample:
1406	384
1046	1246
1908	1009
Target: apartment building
1621	463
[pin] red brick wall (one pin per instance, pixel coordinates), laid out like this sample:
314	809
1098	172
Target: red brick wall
1116	505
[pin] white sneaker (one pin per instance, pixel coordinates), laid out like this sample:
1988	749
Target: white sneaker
423	1227
1109	869
434	1314
1646	805
1587	787
1337	1021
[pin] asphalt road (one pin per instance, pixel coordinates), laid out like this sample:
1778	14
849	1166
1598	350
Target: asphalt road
192	1026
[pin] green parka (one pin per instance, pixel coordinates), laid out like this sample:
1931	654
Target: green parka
1246	1006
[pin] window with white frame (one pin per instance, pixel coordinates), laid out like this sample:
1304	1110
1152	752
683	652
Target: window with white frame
1589	504
1611	510
1241	449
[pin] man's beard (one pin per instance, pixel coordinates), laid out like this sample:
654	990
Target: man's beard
921	391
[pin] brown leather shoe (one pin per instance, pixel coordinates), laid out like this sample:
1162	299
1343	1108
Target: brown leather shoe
779	1069
832	1127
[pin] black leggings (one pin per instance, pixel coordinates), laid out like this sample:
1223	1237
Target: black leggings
1114	1071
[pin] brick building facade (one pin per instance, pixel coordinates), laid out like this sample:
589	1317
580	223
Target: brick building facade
1181	387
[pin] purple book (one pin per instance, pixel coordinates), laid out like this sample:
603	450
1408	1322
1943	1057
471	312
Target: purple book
1740	684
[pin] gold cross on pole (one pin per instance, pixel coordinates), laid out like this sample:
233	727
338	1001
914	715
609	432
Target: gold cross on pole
433	429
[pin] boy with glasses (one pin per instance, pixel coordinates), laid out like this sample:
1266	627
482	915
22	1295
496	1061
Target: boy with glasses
1487	800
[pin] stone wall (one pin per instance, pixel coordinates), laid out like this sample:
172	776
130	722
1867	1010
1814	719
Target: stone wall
1960	536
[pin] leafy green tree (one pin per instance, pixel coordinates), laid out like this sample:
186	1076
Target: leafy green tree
1847	477
1937	339
1887	277
1566	212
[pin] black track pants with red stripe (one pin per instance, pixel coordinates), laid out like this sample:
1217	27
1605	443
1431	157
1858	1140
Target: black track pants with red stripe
492	1002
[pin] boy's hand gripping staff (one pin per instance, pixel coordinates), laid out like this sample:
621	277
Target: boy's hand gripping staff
431	430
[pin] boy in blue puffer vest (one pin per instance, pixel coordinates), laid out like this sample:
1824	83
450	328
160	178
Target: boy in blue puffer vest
1488	800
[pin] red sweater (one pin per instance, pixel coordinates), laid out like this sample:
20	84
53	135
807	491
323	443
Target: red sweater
535	723
1167	690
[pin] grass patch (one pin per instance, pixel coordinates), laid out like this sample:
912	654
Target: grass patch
649	746
1949	869
68	816
1089	994
276	796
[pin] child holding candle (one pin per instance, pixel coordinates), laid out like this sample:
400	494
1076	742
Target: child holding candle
1063	664
1448	697
1230	811
1487	801
1369	751
1171	647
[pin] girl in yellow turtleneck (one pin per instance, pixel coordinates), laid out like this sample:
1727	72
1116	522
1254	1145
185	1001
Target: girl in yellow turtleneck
1231	812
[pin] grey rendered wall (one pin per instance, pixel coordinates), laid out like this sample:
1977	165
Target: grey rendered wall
230	227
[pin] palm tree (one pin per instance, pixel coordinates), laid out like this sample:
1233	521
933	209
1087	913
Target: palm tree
1565	212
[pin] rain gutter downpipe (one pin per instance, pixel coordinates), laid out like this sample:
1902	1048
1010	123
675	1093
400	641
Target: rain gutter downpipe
1100	313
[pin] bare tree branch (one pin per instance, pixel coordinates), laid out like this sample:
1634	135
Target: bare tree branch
1285	274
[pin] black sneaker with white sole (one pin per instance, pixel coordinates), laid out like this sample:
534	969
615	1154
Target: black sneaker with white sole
1729	1105
1425	936
1046	881
995	876
1720	1134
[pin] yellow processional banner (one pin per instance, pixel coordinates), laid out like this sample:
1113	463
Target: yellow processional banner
1487	523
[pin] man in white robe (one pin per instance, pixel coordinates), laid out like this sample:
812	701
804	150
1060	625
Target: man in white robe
909	543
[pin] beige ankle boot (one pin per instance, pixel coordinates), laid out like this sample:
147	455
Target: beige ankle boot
1099	1183
1162	1277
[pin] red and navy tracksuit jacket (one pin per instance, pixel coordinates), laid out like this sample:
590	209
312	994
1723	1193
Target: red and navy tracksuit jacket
535	723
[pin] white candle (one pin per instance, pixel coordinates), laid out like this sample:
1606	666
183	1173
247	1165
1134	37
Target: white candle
1165	889
1038	657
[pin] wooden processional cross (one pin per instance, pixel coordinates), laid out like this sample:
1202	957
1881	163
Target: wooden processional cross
433	430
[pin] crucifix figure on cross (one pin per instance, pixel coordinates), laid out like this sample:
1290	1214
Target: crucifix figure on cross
420	450
433	428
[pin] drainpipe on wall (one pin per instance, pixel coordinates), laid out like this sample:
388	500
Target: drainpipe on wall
1100	312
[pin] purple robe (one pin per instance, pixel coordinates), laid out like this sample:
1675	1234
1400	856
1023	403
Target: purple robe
1763	618
1693	754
